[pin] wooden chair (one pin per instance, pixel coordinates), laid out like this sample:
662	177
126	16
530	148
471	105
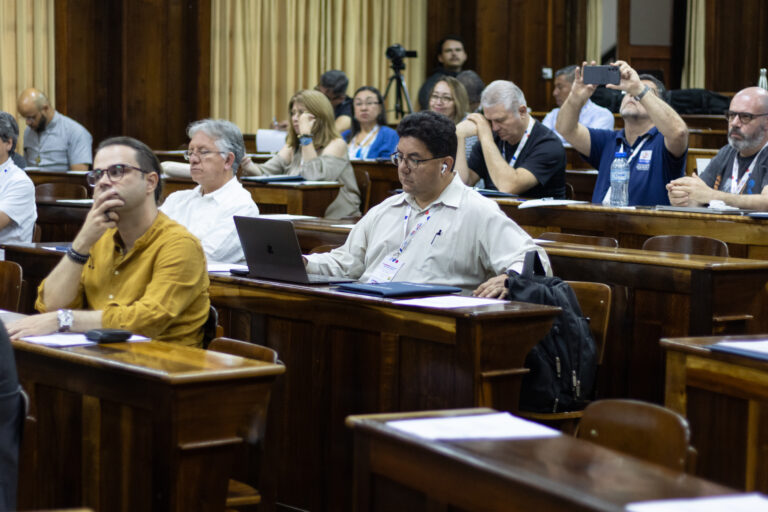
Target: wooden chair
595	302
10	285
211	328
60	190
364	186
569	193
641	429
602	241
37	234
687	244
241	491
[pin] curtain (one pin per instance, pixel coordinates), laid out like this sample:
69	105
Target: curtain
27	39
694	62
594	30
263	51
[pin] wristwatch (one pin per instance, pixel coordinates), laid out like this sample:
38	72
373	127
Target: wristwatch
305	140
66	318
642	93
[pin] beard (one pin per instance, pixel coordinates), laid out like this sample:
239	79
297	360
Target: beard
41	125
746	143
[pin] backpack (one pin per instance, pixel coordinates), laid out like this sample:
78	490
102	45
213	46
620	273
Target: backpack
563	364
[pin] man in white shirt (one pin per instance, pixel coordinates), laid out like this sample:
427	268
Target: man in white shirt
591	115
437	231
18	211
215	149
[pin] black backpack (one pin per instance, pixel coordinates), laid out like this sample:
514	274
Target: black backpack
563	364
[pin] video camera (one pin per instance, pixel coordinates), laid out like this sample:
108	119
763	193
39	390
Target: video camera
396	53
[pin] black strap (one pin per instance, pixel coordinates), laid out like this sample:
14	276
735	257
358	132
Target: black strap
532	265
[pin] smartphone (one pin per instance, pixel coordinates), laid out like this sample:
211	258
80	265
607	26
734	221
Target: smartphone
108	335
600	75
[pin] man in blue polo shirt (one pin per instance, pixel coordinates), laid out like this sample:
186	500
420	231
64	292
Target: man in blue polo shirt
654	137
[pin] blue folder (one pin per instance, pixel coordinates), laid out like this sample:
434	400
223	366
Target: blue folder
398	289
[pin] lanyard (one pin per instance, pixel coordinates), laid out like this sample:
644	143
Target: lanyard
361	146
737	185
636	150
408	237
521	145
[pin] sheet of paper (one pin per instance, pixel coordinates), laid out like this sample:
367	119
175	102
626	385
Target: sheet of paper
60	339
701	165
270	141
285	216
752	502
303	183
75	201
449	301
215	266
532	203
476	426
760	347
343	226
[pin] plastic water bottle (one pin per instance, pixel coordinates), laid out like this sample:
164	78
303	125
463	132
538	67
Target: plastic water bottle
762	81
620	180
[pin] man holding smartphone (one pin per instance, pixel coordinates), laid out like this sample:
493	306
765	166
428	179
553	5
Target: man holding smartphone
655	137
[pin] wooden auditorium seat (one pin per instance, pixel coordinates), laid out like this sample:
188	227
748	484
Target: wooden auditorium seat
10	285
687	244
602	241
60	190
364	186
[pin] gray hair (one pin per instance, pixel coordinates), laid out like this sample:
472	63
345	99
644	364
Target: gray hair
569	72
503	92
14	135
227	135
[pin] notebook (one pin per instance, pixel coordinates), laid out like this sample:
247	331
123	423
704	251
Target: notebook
398	289
272	252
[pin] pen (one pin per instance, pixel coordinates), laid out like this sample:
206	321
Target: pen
439	232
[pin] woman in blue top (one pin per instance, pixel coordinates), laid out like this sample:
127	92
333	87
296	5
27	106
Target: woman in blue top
369	138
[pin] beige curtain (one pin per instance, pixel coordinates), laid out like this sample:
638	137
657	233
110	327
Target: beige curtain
28	56
594	30
262	51
694	62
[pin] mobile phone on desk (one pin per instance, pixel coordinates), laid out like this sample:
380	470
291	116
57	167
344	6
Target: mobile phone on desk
600	75
108	335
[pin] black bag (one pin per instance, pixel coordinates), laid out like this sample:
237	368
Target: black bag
563	364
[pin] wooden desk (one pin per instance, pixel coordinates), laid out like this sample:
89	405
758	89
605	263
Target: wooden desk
76	177
395	470
296	198
60	220
352	354
134	426
36	263
384	180
725	398
746	237
583	182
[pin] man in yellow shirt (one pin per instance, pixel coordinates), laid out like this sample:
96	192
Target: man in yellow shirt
130	266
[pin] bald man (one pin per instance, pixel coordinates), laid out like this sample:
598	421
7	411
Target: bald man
738	175
53	141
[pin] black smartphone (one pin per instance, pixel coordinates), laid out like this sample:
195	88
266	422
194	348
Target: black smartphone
108	335
600	75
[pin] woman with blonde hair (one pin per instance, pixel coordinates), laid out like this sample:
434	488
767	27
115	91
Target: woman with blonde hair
449	97
315	151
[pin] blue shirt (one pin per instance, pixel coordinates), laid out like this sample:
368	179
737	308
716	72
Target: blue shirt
591	116
64	142
382	146
649	171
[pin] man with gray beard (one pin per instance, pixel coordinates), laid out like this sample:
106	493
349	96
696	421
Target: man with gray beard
738	175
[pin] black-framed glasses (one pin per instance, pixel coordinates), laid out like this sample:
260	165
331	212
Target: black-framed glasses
113	172
366	103
410	163
201	153
744	117
444	99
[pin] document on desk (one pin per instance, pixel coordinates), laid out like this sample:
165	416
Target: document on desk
475	426
215	266
75	201
757	349
751	502
449	301
69	339
285	216
533	203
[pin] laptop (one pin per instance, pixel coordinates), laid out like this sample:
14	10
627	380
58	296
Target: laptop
272	251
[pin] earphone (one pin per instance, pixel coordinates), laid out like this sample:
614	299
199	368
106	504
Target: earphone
445	168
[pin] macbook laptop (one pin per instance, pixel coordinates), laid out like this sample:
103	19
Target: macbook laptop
272	252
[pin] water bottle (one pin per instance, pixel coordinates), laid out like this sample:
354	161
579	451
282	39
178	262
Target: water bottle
620	180
762	82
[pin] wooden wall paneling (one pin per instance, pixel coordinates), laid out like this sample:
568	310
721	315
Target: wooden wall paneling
450	17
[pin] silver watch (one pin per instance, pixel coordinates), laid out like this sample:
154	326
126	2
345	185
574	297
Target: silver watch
66	318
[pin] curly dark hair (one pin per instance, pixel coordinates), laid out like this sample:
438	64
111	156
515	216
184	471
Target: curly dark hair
436	131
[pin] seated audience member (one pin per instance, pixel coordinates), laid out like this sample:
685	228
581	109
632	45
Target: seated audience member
18	211
130	266
474	86
369	138
53	141
450	57
591	115
437	230
515	153
449	97
314	150
334	84
17	158
11	423
216	148
738	174
654	137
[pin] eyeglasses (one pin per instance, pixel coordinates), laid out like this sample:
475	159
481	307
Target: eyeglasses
114	173
366	103
444	99
410	163
744	117
201	153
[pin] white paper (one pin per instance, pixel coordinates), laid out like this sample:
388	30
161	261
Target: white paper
760	347
752	502
285	216
302	183
78	173
532	203
75	201
59	339
717	204
701	165
215	266
343	226
476	426
270	141
449	301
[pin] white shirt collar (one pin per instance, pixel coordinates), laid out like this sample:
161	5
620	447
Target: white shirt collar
221	194
450	196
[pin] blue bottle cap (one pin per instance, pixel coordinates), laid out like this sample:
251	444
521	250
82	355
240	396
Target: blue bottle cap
620	154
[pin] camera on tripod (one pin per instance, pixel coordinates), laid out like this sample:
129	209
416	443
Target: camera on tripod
396	53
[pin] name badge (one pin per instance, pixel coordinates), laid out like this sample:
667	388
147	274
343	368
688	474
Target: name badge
386	270
644	160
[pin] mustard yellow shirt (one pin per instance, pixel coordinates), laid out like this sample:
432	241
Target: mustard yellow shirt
158	289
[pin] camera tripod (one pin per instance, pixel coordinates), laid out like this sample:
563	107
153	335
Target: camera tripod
400	90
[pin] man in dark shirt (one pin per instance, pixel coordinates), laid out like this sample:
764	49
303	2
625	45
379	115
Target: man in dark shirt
516	154
334	84
451	57
11	423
